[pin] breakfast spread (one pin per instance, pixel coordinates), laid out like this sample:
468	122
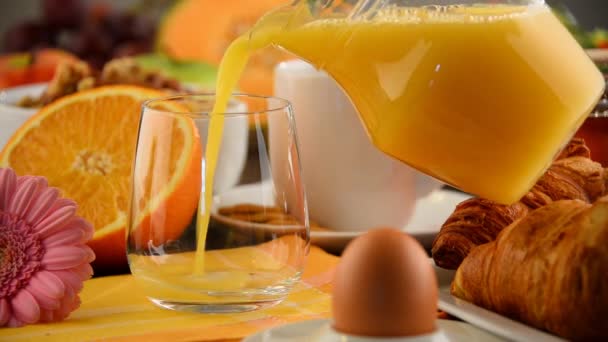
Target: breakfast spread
477	221
533	247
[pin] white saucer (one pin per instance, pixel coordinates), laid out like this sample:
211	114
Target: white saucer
431	212
311	331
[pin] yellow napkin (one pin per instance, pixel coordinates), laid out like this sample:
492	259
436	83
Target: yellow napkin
114	309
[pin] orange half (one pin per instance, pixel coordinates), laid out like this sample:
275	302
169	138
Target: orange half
84	144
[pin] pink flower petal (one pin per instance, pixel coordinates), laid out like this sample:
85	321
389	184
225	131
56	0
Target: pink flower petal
42	182
87	227
5	310
66	237
46	316
45	302
64	202
43	204
60	258
13	322
26	188
84	271
49	284
8	183
88	233
90	253
78	222
55	221
58	315
71	279
76	303
25	307
67	303
23	179
69	297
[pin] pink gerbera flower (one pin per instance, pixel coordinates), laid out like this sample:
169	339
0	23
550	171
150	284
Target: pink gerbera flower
43	256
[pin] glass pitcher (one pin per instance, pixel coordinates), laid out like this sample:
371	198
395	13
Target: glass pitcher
480	94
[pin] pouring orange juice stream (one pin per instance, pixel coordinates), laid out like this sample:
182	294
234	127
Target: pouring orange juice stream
481	97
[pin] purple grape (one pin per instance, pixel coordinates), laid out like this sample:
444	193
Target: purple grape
120	26
144	28
63	13
24	36
95	61
89	40
132	48
127	27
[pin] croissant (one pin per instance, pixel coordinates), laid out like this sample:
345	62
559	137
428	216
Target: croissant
548	270
573	175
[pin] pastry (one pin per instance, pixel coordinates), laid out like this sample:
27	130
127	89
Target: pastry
548	270
573	175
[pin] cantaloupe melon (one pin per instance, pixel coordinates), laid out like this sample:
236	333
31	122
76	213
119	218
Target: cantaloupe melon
202	30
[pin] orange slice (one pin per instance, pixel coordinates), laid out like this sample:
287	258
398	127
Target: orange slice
84	144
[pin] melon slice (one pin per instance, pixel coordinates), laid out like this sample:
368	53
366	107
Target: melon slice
202	30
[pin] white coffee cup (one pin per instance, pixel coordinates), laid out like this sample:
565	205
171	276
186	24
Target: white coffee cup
350	185
233	151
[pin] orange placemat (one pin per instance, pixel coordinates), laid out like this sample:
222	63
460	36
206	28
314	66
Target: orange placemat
114	309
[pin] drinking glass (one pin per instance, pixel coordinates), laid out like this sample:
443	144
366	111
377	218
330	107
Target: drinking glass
196	246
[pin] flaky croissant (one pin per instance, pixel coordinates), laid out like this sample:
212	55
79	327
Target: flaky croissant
549	270
573	175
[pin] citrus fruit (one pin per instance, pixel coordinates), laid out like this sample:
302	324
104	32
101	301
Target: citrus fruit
84	144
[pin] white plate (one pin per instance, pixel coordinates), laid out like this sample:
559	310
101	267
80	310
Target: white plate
431	212
482	318
11	116
304	331
11	96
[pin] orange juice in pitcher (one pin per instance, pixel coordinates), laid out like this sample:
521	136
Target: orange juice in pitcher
481	96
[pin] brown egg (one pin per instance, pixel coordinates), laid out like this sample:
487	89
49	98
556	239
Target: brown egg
385	286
